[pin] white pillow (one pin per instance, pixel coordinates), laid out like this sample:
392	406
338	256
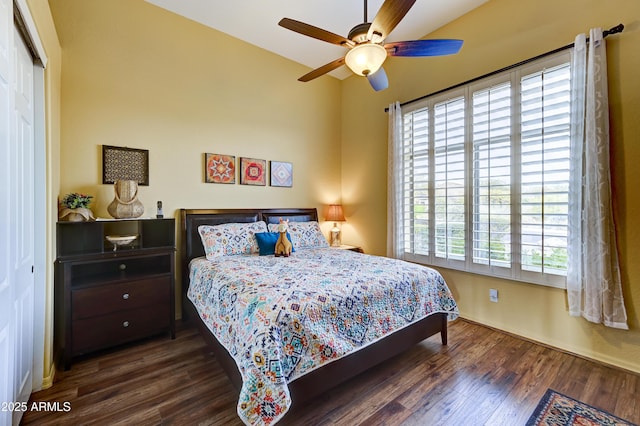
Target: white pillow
230	239
304	234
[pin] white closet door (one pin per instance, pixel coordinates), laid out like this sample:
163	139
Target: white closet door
22	220
16	219
6	281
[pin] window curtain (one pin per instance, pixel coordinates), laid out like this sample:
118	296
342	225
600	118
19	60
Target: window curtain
594	288
395	237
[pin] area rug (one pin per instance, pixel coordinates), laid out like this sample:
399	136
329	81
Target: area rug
556	409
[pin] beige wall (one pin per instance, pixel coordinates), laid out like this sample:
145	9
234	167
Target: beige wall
136	75
497	34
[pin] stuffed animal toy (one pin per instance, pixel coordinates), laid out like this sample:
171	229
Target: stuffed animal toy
283	245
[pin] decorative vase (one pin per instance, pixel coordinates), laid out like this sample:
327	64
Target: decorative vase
80	214
125	204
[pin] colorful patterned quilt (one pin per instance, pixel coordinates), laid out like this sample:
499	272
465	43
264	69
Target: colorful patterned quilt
282	317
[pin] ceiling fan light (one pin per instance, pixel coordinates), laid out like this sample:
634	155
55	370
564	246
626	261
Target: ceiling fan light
365	59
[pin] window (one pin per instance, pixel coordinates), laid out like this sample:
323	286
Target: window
486	174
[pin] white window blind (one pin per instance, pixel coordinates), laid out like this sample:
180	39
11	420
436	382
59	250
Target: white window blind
545	121
492	176
449	179
486	174
416	182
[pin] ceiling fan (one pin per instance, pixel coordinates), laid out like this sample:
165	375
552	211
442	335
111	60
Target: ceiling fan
365	41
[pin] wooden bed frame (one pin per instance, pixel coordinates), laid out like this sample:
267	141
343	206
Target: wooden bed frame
322	379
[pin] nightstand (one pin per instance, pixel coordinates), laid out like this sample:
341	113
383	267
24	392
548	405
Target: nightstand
348	247
105	297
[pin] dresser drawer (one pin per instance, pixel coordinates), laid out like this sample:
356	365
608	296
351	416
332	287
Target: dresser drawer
122	268
90	302
119	327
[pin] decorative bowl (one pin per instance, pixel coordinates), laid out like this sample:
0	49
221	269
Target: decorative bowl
121	240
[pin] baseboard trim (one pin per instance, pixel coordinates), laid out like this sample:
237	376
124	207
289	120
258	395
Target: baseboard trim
47	381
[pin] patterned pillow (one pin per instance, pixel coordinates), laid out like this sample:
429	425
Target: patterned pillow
230	239
304	234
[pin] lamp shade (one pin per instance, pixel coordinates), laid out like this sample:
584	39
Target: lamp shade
365	59
335	213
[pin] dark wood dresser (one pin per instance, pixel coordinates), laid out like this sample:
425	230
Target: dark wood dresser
106	297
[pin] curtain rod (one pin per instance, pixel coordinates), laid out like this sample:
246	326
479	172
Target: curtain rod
617	29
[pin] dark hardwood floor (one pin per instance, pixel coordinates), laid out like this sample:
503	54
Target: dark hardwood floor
483	377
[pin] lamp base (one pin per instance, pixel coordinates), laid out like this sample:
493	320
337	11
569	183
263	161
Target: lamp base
335	237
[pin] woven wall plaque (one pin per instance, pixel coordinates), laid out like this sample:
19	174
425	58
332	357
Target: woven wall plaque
121	163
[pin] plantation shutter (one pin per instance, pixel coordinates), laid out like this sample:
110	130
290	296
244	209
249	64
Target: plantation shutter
449	179
416	182
491	167
486	175
545	131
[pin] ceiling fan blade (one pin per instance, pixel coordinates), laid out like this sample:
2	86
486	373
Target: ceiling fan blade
437	47
378	80
315	32
390	14
322	70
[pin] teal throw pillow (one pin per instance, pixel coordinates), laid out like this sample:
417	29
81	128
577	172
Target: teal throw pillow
267	242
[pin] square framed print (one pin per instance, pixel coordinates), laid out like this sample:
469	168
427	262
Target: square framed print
281	174
219	168
253	171
122	163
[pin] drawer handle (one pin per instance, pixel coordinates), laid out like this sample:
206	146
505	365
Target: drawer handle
122	267
125	324
125	296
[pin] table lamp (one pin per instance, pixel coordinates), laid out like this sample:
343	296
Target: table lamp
335	215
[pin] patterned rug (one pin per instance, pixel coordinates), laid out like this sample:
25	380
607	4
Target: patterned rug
555	409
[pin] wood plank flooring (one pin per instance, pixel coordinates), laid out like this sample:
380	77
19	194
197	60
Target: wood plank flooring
483	377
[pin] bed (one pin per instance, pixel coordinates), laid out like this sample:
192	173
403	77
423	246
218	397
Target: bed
288	329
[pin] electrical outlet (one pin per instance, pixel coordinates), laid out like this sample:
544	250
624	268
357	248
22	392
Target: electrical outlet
493	295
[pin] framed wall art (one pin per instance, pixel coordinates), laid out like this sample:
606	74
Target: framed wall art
281	174
219	168
122	163
253	171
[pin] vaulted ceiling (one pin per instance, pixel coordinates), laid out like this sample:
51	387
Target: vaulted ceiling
256	22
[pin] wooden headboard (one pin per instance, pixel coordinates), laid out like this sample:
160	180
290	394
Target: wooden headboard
190	219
